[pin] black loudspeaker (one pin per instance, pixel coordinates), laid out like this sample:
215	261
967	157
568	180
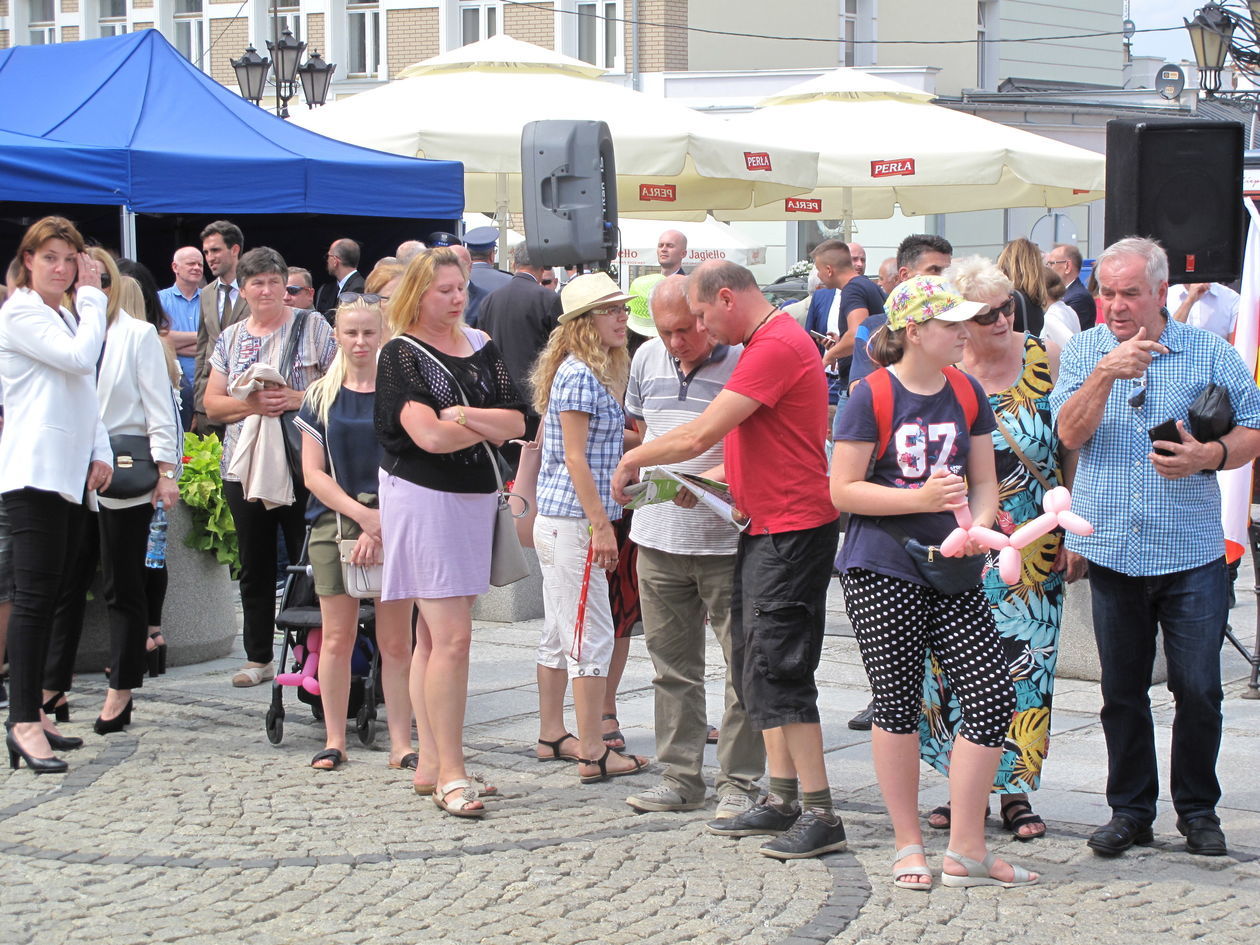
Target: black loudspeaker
1180	182
569	192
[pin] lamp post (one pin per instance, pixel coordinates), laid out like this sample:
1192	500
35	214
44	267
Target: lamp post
1226	30
316	75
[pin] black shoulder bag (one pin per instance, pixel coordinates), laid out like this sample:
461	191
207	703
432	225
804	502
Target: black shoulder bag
292	435
946	575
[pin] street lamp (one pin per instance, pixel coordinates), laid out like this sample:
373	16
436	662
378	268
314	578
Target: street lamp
251	74
287	53
317	77
1230	29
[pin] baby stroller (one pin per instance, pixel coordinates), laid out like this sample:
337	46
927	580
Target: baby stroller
300	620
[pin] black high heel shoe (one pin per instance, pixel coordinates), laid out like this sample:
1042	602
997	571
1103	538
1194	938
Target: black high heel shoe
156	657
62	742
104	726
37	765
61	712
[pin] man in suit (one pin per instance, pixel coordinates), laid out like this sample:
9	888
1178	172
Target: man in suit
1065	259
520	317
671	250
481	244
221	305
343	262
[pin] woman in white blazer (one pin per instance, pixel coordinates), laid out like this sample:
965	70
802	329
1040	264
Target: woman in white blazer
54	453
134	391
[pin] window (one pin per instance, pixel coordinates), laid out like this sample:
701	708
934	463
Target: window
190	31
364	32
42	32
477	21
597	31
290	19
113	18
987	45
848	33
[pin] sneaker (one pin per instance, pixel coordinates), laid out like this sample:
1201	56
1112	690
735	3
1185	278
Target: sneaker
811	835
733	804
661	797
862	721
758	819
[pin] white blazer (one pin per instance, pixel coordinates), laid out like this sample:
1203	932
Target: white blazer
135	393
52	428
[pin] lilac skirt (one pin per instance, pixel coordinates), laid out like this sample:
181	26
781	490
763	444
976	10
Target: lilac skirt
436	544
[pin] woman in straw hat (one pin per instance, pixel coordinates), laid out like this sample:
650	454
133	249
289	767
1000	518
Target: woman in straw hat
579	382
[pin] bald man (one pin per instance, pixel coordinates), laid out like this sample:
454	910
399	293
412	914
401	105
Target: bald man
182	304
671	250
408	250
858	253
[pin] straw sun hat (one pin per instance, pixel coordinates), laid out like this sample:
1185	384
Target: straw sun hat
584	293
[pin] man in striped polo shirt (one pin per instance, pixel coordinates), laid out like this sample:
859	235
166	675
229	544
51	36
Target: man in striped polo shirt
686	569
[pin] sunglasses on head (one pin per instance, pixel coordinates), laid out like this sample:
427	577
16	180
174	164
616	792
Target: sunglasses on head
993	314
367	298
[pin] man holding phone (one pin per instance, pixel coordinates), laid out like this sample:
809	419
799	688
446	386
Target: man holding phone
1156	557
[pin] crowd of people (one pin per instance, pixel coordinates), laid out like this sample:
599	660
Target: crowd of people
367	422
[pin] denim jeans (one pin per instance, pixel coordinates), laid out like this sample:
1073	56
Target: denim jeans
1189	607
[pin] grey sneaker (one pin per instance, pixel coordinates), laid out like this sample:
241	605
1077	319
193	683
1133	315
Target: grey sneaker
733	804
662	797
811	835
758	819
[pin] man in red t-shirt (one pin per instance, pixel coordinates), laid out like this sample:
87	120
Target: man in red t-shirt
773	414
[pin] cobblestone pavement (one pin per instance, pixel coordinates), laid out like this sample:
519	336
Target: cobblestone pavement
191	827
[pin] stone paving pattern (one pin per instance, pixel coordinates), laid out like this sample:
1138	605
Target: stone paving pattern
192	828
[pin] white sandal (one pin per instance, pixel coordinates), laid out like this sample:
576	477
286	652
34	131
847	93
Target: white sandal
979	873
911	849
460	806
248	676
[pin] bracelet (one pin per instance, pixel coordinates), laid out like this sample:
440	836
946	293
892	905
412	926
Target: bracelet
462	419
1224	455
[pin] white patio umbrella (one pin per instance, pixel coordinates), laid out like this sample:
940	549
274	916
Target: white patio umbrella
882	145
470	105
710	239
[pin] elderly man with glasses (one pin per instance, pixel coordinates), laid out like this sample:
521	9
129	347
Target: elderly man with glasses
299	290
1156	557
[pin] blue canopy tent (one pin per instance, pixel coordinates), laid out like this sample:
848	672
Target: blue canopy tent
127	121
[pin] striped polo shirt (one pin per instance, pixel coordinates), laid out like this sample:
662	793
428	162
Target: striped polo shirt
662	398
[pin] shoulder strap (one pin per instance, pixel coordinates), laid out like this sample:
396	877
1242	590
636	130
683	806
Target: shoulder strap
880	382
290	349
964	392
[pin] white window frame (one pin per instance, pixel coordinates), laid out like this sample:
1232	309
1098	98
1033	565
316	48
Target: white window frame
486	10
195	23
571	32
856	33
290	16
373	40
988	49
42	31
110	24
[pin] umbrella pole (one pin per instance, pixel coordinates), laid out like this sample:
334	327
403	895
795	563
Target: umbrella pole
127	228
501	215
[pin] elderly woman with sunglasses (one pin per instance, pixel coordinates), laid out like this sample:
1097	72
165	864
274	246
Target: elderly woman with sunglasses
1017	372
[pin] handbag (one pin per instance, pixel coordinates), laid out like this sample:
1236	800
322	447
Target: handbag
507	558
525	487
1212	414
948	576
292	435
135	472
361	581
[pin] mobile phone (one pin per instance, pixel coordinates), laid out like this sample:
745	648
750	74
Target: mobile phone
1165	431
821	339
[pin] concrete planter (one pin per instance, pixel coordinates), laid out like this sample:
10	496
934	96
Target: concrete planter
199	617
1078	652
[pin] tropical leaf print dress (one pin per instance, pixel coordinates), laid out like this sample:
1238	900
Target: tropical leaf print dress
1028	613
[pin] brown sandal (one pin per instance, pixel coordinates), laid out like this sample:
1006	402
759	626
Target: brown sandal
556	753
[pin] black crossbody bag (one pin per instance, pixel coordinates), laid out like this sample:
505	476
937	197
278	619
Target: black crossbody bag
946	575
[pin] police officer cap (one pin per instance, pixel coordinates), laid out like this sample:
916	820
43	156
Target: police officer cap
442	238
482	237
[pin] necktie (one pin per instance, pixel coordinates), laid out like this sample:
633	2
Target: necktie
225	302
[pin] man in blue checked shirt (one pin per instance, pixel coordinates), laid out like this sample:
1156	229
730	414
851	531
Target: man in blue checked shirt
1156	557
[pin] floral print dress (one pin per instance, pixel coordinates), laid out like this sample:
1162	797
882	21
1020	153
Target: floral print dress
1028	613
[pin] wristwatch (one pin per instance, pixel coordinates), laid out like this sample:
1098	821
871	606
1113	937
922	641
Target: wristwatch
169	474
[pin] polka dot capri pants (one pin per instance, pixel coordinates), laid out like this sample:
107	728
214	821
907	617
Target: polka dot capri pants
895	620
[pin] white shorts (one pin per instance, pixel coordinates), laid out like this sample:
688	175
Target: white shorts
562	545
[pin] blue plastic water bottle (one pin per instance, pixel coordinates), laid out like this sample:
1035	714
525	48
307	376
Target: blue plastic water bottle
155	553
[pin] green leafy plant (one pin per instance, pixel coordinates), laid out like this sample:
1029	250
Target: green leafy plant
201	488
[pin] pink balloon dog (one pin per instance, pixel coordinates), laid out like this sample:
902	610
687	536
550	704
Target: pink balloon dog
309	657
1058	511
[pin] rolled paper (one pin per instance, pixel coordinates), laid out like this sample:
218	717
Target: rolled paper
952	546
962	515
988	537
1009	563
1029	532
1075	524
1057	499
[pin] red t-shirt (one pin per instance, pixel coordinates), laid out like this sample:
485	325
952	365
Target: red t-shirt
775	460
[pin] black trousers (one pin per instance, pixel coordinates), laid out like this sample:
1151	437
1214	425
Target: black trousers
256	535
39	526
124	537
155	581
82	556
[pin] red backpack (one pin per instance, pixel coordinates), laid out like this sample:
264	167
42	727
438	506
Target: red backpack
880	382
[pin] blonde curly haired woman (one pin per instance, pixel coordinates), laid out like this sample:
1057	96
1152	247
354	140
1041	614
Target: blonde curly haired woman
579	383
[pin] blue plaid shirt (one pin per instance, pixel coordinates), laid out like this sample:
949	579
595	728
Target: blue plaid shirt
575	387
1144	524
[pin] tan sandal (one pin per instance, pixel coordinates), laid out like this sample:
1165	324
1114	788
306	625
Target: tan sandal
467	796
483	789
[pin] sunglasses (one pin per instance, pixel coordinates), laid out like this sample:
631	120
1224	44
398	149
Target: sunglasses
367	298
295	289
993	314
1138	397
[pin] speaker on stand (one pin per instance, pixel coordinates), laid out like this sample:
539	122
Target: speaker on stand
569	192
1180	182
